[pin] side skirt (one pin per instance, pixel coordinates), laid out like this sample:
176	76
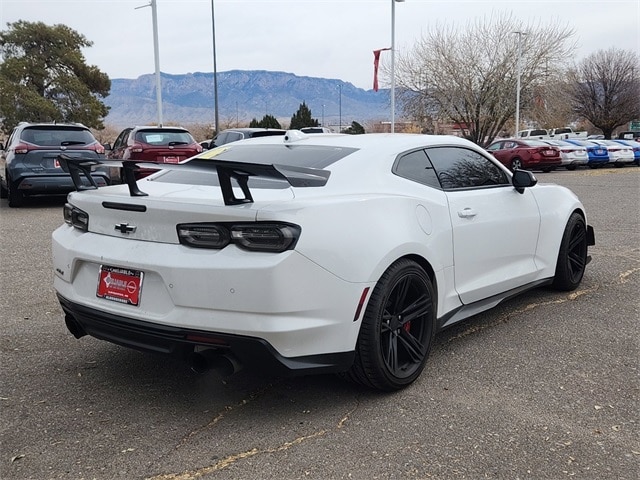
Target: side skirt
466	311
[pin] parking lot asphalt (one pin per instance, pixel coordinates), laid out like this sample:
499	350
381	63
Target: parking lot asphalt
545	386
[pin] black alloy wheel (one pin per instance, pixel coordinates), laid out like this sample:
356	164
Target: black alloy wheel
572	257
397	329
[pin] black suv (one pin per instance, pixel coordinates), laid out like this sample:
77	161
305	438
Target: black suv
29	165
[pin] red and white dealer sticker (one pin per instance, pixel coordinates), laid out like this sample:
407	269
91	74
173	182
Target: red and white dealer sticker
120	284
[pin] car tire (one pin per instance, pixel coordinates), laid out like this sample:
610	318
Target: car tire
397	329
571	167
3	190
572	257
516	163
15	196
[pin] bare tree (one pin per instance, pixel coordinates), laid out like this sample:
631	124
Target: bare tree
469	76
606	88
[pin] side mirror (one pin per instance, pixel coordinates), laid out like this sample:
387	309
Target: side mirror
522	179
107	146
204	145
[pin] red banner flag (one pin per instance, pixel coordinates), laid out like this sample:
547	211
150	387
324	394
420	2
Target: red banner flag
376	60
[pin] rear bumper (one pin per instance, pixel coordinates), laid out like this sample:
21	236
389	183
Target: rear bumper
45	184
181	342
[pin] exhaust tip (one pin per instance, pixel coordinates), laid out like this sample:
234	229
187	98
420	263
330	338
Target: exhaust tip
205	360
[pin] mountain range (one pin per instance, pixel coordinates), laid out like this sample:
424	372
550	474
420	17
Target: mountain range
242	96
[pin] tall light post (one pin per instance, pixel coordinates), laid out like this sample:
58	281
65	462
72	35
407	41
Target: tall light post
393	64
156	57
518	74
340	108
215	70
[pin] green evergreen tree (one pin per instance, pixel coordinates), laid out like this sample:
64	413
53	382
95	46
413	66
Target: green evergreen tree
354	129
302	118
268	121
44	77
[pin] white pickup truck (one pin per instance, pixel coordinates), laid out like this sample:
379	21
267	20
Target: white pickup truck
566	132
555	133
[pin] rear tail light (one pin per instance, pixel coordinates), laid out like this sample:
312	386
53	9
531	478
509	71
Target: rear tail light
137	148
99	148
76	217
22	148
262	237
265	237
205	235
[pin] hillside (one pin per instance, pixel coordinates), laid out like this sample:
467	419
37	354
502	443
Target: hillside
243	95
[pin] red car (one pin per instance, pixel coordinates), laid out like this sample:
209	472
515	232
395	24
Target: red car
526	154
154	144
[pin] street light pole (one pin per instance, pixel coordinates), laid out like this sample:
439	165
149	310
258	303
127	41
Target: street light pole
215	70
156	57
519	73
340	108
393	64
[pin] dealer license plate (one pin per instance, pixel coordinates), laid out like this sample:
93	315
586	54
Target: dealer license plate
119	284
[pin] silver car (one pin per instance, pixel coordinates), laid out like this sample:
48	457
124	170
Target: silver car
572	155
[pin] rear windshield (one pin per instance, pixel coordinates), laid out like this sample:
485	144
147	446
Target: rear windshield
57	136
164	137
311	156
268	133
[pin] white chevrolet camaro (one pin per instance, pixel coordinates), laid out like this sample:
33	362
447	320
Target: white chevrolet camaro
311	253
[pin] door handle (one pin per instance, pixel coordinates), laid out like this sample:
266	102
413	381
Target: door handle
467	213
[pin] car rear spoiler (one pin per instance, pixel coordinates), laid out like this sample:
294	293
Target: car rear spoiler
227	171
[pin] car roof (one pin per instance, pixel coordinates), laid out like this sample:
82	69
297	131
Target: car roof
382	143
156	127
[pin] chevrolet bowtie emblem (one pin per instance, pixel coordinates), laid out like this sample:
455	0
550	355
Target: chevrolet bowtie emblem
125	228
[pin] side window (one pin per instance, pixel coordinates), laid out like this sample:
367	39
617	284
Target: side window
496	146
234	137
417	167
463	168
220	139
121	139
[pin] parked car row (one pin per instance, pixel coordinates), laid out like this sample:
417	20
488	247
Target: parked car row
547	155
29	165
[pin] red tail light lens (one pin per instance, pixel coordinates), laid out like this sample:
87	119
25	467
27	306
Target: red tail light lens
137	148
23	148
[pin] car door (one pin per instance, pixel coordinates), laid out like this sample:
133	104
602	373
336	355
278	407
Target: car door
119	146
495	228
502	151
